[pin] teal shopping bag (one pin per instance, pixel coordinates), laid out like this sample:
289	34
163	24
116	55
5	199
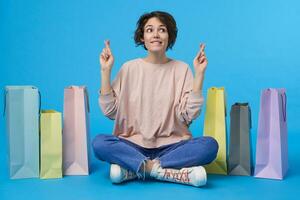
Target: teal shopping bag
22	105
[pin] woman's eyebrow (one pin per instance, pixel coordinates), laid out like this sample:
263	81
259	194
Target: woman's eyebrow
152	25
162	25
148	26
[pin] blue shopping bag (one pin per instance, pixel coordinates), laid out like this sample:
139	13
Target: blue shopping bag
21	108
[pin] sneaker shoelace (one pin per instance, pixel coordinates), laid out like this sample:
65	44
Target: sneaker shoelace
129	174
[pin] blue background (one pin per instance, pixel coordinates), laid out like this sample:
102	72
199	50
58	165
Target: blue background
250	45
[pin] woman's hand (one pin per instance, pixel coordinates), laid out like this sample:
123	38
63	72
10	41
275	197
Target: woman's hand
106	58
200	61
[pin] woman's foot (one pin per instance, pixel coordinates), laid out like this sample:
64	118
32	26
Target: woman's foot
195	176
119	174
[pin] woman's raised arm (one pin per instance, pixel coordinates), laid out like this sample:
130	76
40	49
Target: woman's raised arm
106	63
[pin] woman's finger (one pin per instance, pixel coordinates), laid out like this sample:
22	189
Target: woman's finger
200	52
202	60
108	51
202	47
107	45
107	54
103	53
102	57
202	55
198	55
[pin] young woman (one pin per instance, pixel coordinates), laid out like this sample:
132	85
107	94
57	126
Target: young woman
153	100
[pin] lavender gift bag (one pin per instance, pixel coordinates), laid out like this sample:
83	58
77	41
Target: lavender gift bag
272	145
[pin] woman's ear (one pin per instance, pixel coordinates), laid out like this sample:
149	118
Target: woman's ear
142	38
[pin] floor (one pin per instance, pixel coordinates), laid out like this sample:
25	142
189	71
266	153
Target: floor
98	186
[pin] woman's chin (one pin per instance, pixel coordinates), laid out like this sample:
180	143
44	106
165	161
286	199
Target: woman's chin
157	50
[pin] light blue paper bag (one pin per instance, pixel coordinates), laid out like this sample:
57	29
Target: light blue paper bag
22	105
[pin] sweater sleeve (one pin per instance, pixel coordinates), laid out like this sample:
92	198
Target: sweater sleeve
190	102
109	103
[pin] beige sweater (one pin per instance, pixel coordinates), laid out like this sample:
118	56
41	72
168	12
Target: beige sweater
152	104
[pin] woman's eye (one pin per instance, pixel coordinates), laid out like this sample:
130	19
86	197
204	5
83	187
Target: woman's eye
162	30
149	30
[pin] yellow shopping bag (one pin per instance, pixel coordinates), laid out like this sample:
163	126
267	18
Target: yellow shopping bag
215	126
50	144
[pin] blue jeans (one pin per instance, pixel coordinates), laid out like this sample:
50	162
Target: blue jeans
186	153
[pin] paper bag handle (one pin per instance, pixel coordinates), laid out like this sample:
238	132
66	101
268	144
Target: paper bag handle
86	95
250	117
283	104
4	101
225	101
40	101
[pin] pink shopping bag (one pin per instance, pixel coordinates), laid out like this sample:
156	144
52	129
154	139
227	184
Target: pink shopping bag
76	131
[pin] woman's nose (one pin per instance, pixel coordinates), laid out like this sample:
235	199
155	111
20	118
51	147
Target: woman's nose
156	35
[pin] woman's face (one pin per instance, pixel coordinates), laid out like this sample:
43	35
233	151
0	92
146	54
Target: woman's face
156	36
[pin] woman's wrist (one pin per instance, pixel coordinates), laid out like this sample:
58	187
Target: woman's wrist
198	82
106	72
199	74
105	82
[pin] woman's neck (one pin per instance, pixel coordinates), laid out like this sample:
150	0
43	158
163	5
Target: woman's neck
157	58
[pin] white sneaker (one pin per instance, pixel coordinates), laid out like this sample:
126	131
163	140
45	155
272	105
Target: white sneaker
195	176
119	175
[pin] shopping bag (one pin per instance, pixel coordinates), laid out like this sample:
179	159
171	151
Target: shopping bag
22	106
272	141
51	144
239	159
215	126
76	131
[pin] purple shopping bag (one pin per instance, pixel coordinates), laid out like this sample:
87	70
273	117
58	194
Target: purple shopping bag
272	144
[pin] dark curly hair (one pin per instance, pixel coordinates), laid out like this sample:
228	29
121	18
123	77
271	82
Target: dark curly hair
165	18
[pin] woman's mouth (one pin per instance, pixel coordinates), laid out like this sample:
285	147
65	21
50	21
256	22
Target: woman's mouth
156	42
